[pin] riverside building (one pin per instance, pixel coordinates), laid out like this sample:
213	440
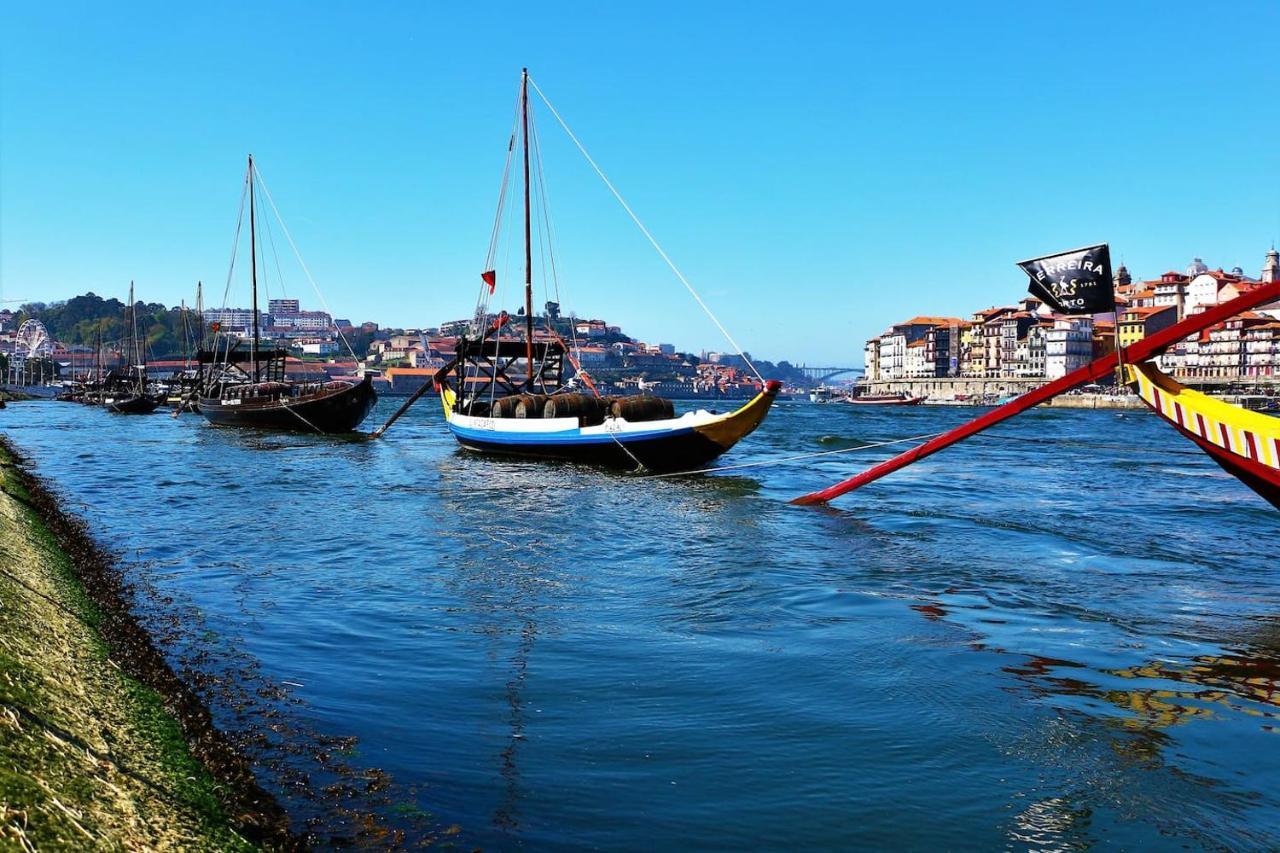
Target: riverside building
1020	343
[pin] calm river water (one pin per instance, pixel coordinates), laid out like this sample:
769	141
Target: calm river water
1062	636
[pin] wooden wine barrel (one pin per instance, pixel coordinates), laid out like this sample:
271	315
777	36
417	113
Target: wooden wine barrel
589	410
642	408
505	407
530	405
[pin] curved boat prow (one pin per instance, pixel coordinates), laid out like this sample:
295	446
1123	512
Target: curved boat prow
736	426
1245	444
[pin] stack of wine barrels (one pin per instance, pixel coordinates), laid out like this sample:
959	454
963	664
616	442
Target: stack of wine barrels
642	408
589	410
520	406
505	407
530	405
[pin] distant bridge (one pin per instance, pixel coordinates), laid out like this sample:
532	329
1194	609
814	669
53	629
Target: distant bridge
822	374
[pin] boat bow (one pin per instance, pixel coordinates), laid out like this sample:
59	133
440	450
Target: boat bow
1245	444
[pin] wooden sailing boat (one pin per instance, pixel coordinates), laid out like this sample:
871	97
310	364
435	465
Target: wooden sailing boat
506	396
127	394
248	388
1246	444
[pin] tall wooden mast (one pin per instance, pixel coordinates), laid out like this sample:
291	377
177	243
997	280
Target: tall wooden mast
253	266
135	355
528	248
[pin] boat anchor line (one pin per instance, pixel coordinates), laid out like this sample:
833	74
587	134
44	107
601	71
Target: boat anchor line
788	459
299	416
639	465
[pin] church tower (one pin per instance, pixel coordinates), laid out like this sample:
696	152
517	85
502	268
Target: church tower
1271	269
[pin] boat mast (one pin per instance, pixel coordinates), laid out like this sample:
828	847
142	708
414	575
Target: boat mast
528	248
253	266
135	357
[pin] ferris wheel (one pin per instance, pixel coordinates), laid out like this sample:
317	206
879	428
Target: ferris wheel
33	340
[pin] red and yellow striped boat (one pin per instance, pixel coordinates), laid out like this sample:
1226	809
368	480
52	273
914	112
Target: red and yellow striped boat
1246	444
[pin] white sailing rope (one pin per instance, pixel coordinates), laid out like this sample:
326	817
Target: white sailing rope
285	228
491	257
271	240
645	231
799	458
235	243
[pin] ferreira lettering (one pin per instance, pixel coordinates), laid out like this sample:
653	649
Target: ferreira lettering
1074	282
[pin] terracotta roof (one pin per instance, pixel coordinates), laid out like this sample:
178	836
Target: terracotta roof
929	321
410	371
1147	310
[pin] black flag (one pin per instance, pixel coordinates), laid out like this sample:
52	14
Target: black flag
1075	282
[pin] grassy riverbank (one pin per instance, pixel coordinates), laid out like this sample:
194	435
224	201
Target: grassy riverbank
100	747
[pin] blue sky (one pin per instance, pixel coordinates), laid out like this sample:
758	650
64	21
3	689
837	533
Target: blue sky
817	170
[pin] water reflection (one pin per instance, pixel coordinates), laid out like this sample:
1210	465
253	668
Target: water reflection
1054	824
1122	720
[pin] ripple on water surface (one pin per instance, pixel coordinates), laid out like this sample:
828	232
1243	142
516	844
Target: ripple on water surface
1059	635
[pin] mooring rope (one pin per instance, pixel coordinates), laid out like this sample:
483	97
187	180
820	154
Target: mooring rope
299	416
645	231
639	465
787	459
801	457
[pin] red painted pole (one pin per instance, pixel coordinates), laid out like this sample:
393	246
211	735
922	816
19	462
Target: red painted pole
1138	351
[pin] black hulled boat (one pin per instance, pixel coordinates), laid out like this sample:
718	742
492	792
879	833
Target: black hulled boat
253	392
242	387
126	393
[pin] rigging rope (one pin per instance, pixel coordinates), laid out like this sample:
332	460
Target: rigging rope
285	228
479	319
235	243
645	231
279	272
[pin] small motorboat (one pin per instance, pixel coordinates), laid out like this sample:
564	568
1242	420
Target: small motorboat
885	400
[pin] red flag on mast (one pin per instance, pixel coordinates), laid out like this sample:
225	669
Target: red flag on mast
490	278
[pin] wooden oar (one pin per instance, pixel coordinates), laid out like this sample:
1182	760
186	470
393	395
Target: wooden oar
1138	351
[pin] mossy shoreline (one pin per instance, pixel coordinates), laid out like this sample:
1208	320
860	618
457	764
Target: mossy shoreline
102	746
